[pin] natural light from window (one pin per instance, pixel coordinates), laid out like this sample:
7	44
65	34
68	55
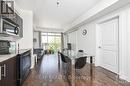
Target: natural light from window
51	41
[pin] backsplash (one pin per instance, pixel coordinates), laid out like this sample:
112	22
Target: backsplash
7	47
12	48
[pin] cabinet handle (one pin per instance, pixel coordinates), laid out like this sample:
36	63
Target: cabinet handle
0	72
4	70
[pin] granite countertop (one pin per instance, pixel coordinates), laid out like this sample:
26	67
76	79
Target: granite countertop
8	56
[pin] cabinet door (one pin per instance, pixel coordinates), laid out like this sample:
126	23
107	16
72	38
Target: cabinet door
0	6
9	72
0	76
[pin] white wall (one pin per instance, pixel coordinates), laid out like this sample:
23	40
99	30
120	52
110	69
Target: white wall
89	43
72	39
128	44
84	42
27	40
36	36
65	37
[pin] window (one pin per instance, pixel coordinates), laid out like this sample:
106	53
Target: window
51	41
51	34
44	39
44	34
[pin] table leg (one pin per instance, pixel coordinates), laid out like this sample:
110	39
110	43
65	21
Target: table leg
91	59
73	73
91	66
59	63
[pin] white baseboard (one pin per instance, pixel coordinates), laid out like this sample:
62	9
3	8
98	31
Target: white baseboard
123	77
32	66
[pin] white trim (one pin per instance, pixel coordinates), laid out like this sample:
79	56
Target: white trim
122	45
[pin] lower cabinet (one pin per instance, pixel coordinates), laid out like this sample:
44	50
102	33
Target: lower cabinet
8	72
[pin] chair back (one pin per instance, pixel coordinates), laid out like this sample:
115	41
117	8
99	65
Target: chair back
64	58
80	62
80	51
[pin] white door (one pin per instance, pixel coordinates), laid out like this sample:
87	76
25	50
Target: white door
109	45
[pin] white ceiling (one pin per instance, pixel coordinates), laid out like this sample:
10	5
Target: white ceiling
48	15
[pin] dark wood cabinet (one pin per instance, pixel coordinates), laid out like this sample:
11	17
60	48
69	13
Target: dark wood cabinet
0	77
8	72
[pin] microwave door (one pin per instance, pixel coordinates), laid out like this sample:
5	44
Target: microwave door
9	28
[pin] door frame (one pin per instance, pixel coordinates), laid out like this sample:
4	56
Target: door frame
122	42
98	38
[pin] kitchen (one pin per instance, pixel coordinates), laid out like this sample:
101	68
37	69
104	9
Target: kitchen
98	28
15	56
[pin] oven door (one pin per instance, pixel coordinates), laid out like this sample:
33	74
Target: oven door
9	28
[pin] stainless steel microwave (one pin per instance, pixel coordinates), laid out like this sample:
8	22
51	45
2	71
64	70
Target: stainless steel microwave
9	28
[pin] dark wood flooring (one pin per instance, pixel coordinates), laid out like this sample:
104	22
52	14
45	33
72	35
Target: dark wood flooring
46	73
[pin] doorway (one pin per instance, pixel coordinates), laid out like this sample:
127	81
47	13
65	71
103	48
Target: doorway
108	45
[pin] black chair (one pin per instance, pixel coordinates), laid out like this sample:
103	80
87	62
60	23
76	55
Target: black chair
81	51
64	58
66	64
80	63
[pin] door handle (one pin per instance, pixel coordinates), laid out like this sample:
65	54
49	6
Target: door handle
3	71
0	73
100	47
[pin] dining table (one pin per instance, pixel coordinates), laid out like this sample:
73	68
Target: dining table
73	58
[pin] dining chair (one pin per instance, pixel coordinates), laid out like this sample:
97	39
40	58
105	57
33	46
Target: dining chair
66	64
81	51
79	64
63	58
66	67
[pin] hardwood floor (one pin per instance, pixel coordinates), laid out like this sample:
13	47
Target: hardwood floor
46	73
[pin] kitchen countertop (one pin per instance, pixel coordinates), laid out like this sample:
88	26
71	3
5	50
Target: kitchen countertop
22	51
8	56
